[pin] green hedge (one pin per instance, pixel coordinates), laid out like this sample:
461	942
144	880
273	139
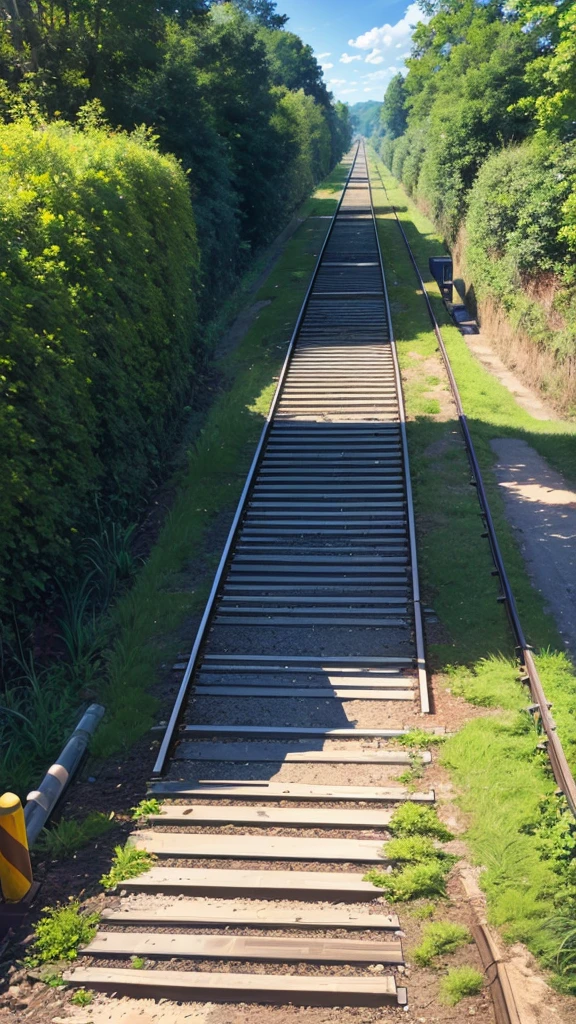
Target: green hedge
98	264
516	235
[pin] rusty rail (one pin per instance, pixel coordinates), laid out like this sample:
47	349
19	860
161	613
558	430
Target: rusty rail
540	707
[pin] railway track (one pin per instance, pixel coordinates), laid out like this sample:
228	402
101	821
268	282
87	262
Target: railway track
277	770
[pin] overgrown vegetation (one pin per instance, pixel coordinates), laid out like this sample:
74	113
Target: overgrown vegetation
426	880
147	153
82	997
517	829
128	862
70	835
60	932
459	983
150	805
481	133
119	649
411	819
438	939
419	739
98	342
424	866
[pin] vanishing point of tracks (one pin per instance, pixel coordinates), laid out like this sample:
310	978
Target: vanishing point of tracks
277	770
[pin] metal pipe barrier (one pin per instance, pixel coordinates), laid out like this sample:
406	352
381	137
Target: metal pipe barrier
41	802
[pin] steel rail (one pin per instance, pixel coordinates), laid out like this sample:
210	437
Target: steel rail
418	623
192	662
540	706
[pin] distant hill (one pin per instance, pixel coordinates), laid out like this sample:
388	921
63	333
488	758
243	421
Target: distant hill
365	117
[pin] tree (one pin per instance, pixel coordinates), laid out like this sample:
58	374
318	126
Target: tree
293	64
552	75
263	11
393	114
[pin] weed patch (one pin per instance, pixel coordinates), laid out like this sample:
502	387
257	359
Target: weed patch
413	849
60	932
419	739
410	819
128	862
147	806
413	882
82	997
70	835
439	938
460	982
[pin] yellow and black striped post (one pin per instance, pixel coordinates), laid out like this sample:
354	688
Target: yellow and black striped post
15	867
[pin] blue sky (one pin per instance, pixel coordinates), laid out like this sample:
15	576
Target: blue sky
361	44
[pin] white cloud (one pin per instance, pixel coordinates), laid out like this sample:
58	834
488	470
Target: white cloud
375	57
346	92
319	56
327	66
382	75
346	58
390	35
337	81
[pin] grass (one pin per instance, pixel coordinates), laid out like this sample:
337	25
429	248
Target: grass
60	932
419	739
70	835
460	982
413	882
82	997
163	598
149	805
126	619
438	939
517	828
410	848
424	867
128	862
410	819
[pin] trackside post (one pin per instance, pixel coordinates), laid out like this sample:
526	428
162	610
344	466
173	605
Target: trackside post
15	866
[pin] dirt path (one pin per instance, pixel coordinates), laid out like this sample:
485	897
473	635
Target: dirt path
480	346
542	510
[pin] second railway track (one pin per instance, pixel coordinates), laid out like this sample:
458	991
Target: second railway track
277	769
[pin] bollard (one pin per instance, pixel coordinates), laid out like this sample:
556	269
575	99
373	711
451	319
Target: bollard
15	867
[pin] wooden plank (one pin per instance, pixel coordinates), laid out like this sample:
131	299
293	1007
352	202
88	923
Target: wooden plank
290	731
195	913
325	682
365	675
317	599
265	790
223	987
285	620
291	817
277	753
365	663
242	883
260	847
322	693
250	948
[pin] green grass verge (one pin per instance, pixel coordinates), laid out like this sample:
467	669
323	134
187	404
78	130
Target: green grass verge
124	623
517	829
150	617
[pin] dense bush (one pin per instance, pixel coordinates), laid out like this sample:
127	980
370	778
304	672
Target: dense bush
97	345
490	100
207	79
517	238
